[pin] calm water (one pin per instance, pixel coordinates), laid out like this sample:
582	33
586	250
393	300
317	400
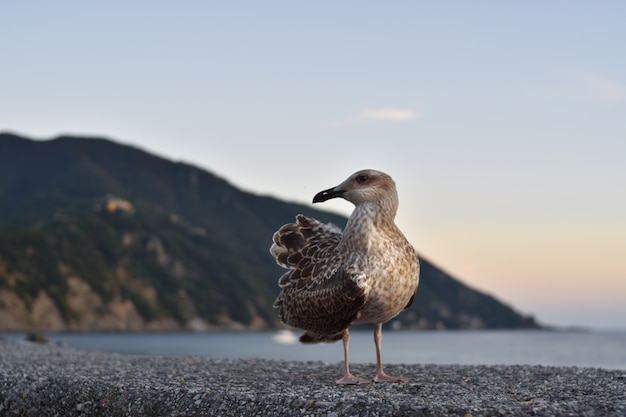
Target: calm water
604	349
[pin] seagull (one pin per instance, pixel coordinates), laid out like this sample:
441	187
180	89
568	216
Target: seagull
367	273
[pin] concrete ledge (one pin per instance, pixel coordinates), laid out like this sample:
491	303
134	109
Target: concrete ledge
48	380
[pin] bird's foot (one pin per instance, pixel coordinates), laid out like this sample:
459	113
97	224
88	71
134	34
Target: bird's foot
383	377
349	379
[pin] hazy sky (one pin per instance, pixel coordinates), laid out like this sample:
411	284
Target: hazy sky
503	123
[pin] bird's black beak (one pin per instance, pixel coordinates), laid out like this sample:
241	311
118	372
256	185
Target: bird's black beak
327	195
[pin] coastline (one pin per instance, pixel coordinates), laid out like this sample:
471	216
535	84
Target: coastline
47	379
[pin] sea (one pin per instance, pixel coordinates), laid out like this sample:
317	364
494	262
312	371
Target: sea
583	348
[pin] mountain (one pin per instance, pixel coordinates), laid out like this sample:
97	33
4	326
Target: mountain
96	235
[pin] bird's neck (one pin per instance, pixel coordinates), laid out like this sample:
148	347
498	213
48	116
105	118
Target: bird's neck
367	221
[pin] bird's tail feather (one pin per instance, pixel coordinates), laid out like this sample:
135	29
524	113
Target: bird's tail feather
312	337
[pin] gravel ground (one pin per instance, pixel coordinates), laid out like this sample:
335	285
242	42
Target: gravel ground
48	380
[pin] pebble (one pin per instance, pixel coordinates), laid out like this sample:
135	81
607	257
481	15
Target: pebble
46	379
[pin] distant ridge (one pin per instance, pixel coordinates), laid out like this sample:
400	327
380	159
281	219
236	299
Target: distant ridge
96	235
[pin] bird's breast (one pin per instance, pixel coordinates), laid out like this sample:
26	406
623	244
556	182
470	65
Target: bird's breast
392	277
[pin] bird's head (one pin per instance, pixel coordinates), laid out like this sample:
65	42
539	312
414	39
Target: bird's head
365	186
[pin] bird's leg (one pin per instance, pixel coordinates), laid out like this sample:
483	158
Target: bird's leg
348	378
381	376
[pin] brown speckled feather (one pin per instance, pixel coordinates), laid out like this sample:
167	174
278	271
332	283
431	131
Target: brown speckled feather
317	293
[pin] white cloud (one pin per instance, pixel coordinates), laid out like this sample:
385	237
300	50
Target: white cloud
599	87
377	115
388	114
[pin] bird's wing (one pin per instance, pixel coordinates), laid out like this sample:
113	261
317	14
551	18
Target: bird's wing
305	238
319	292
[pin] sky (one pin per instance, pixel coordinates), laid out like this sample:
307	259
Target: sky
502	123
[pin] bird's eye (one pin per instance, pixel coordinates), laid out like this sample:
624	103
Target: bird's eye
361	179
